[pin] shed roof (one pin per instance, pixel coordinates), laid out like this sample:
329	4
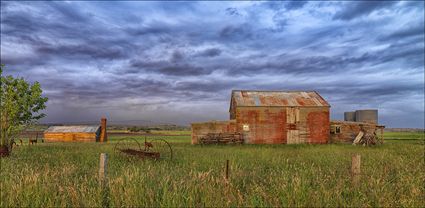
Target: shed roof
72	129
277	98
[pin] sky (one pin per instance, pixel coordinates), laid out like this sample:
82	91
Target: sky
177	62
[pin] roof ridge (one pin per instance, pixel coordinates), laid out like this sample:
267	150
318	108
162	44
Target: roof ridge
305	98
274	90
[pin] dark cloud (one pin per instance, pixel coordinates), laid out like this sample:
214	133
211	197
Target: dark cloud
166	68
410	31
232	11
183	70
206	86
236	32
176	56
68	51
19	61
133	60
355	9
148	30
210	52
304	65
288	5
146	63
73	15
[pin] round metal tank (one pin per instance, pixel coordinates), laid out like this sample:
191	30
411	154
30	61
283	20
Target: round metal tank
349	116
368	116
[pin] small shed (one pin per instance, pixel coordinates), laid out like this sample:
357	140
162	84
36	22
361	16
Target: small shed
81	133
346	131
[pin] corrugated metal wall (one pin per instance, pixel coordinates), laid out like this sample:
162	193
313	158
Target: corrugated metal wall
281	125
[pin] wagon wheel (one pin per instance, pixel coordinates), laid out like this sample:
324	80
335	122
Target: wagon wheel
160	146
127	144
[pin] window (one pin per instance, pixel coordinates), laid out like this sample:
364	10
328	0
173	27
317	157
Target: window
335	129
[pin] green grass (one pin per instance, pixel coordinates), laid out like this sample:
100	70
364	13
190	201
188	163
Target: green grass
404	135
65	174
171	132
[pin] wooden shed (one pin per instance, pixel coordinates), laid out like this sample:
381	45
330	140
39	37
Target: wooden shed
276	117
80	133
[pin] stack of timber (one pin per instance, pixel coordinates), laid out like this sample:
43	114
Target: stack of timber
366	139
222	138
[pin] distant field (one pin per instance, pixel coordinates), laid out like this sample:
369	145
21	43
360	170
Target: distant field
171	132
404	135
65	174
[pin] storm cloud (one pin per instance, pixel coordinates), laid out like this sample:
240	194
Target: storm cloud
177	62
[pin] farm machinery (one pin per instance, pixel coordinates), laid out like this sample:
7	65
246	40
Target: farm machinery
152	149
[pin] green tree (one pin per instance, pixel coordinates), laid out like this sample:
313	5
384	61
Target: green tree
20	106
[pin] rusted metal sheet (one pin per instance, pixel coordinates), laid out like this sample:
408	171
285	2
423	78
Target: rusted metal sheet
262	125
277	98
75	129
318	127
283	125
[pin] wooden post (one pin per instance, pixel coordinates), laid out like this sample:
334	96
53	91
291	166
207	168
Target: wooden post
355	168
382	135
103	180
227	169
102	168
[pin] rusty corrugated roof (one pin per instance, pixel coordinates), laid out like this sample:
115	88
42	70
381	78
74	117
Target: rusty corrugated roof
277	98
73	129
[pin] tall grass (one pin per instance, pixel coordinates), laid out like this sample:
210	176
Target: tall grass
65	174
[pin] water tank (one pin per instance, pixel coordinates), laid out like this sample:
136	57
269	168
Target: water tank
368	116
349	116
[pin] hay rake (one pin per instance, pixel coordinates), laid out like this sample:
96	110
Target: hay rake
152	149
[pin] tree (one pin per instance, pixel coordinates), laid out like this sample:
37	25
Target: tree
20	106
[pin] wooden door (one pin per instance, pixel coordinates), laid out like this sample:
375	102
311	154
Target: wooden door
292	120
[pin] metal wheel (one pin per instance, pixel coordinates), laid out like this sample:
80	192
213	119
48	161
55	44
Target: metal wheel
127	144
160	146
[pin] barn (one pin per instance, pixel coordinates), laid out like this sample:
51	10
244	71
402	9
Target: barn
272	117
86	133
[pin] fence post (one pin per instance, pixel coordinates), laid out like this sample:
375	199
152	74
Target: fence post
102	168
103	180
355	168
227	169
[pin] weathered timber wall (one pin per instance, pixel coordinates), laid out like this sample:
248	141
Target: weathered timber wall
70	137
202	129
349	130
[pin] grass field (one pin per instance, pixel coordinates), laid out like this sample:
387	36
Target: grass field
65	174
404	135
